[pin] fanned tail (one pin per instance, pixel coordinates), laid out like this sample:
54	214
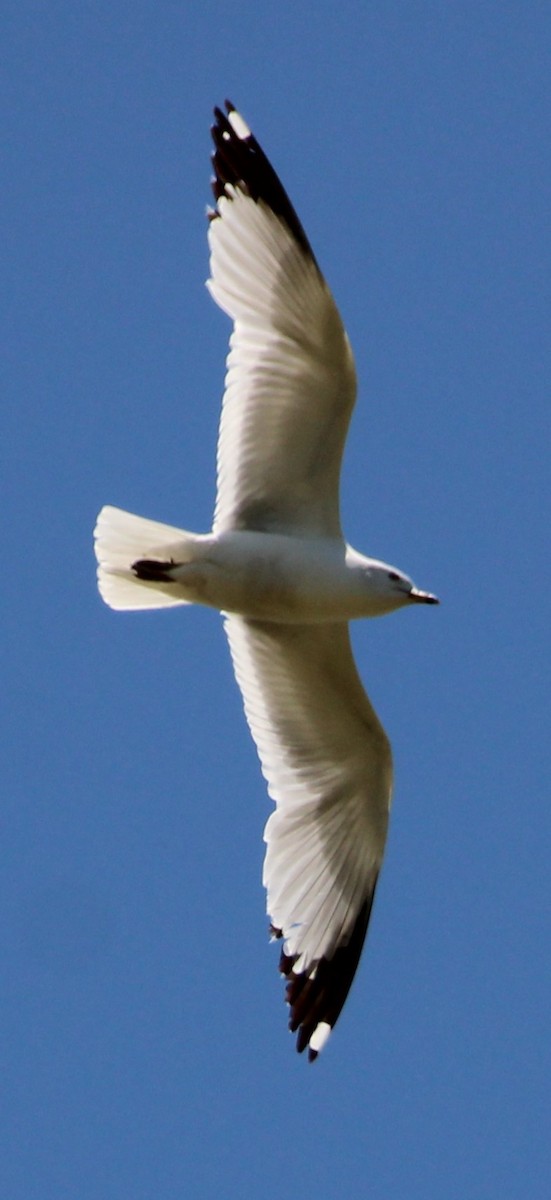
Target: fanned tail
121	540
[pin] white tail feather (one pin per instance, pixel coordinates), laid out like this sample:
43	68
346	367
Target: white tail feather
120	539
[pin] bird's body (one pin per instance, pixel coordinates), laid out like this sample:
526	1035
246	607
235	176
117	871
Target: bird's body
277	566
273	577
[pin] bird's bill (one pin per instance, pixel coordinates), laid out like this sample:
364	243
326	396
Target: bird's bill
423	597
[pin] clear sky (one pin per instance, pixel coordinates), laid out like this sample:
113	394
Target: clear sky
144	1051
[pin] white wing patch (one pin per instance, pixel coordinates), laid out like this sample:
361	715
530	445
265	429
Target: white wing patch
327	762
290	382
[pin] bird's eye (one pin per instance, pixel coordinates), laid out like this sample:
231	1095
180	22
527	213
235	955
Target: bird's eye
394	576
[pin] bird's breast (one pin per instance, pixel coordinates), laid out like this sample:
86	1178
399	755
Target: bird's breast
275	578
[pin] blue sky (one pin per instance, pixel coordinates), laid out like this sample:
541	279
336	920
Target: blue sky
144	1050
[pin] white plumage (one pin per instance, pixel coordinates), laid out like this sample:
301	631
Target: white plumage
288	341
277	566
323	753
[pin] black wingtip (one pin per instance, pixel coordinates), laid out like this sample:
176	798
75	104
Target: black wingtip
239	161
318	998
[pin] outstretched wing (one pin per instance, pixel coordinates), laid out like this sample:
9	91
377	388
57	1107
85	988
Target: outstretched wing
290	383
328	765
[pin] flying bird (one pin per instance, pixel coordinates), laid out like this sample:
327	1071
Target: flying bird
278	568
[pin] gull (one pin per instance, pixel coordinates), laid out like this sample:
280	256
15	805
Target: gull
277	567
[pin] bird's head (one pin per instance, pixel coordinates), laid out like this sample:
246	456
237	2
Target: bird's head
388	588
